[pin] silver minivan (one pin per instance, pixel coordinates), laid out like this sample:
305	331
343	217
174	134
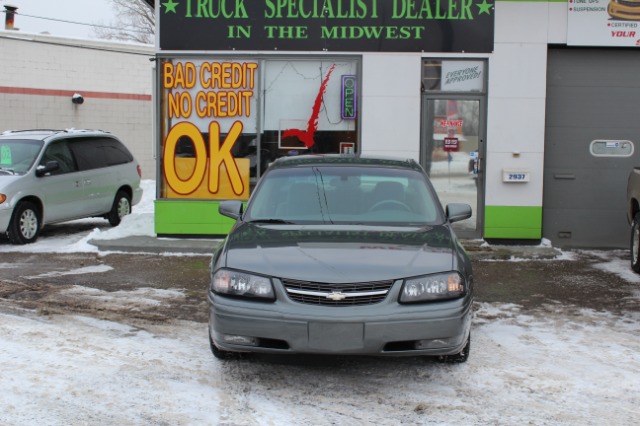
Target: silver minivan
49	176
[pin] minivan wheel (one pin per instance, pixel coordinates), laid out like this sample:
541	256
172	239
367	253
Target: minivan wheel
25	223
635	243
121	207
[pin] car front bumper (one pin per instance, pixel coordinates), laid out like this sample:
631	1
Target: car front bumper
385	328
137	196
5	218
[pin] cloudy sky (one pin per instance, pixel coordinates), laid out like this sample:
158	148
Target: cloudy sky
64	18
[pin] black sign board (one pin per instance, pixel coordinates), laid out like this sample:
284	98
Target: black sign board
327	25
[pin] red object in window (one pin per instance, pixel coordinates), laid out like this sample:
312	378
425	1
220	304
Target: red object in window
306	136
451	144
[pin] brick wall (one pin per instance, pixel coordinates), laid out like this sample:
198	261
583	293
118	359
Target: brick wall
40	74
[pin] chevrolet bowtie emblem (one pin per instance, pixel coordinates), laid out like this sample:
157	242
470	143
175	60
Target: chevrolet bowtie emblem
336	296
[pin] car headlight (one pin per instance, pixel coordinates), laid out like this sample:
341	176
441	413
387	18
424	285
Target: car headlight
235	283
426	288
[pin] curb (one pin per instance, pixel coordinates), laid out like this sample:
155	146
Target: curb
476	249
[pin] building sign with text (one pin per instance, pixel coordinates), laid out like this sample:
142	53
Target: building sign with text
328	25
603	23
348	92
206	106
462	76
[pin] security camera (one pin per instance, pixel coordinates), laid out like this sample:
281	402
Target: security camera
77	99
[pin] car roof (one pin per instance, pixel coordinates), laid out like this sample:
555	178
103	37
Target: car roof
345	160
44	134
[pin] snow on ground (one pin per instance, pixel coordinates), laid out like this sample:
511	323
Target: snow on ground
552	367
540	370
140	223
617	262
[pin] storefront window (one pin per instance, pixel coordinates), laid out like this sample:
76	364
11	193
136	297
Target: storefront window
453	76
225	120
305	105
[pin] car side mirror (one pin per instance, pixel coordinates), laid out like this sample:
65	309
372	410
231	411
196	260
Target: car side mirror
458	211
47	168
230	208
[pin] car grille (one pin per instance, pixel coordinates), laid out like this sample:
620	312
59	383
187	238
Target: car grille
326	294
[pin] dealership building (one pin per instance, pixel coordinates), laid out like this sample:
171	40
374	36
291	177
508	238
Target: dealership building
522	109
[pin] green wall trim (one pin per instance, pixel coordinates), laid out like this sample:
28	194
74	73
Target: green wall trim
178	217
513	222
182	217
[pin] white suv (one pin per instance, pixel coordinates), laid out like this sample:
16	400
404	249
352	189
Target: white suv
49	176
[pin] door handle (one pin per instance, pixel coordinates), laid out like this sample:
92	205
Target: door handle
567	176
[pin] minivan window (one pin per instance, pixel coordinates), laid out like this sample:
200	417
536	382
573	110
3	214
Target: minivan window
17	156
95	153
88	154
59	151
115	152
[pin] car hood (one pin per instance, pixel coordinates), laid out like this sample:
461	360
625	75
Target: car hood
339	254
8	179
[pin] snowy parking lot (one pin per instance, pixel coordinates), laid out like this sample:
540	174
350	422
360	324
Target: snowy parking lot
555	363
555	367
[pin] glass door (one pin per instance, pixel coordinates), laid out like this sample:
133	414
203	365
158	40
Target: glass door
452	153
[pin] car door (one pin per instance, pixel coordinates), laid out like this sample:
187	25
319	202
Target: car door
99	180
62	189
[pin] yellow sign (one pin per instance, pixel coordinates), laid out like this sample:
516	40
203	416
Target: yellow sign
186	176
211	89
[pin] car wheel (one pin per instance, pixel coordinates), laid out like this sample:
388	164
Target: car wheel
121	207
222	354
460	357
635	243
25	223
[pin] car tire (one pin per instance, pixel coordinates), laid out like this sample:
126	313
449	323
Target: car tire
635	243
460	357
25	223
222	354
121	207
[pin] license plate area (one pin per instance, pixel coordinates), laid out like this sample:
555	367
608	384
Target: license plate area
328	336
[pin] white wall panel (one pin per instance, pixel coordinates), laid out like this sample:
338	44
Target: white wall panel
521	22
391	75
390	106
499	193
517	102
518	70
516	124
557	23
391	124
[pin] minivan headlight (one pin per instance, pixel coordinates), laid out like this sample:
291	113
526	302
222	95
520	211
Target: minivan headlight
235	283
448	285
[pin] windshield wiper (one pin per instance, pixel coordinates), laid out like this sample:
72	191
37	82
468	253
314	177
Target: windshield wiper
11	171
280	221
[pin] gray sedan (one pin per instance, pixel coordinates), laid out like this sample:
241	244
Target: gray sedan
342	255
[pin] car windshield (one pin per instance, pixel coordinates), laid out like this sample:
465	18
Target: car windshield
17	156
345	195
